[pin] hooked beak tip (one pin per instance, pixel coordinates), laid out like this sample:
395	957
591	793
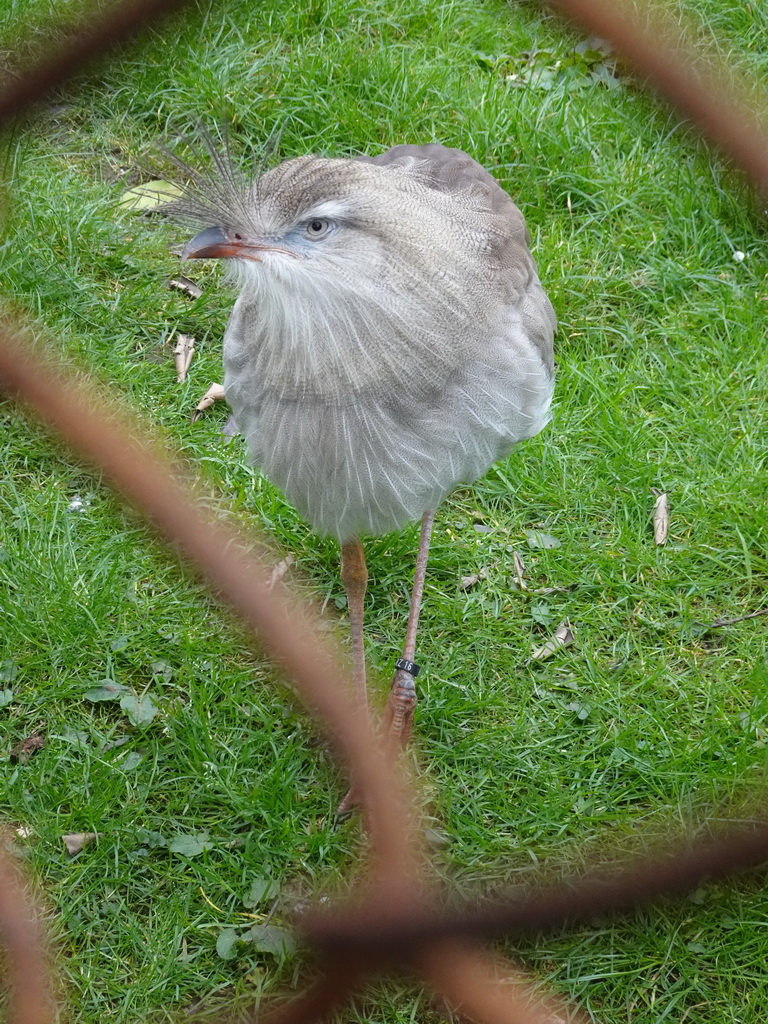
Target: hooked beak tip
213	243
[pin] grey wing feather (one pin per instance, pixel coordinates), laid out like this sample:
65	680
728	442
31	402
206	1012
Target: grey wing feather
455	172
452	171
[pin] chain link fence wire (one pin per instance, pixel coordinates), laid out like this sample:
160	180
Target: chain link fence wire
394	920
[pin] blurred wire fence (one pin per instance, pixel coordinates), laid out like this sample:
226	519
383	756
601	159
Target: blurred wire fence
395	919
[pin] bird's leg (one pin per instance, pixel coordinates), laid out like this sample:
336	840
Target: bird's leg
354	576
398	716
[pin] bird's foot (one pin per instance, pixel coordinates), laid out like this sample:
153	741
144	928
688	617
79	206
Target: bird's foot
398	714
349	803
397	725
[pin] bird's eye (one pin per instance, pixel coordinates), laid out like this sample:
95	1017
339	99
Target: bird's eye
318	227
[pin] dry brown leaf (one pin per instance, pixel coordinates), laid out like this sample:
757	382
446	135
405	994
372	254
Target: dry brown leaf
519	571
28	747
75	842
280	570
467	582
215	393
186	285
563	637
660	516
183	351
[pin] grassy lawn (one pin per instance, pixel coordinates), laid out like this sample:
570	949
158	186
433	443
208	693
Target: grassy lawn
216	812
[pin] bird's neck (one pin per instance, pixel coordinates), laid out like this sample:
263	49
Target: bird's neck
312	346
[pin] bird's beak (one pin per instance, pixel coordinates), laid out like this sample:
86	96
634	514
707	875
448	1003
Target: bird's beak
218	243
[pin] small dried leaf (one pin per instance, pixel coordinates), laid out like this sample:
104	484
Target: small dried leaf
75	842
580	710
519	571
152	195
140	710
192	845
161	670
214	393
262	889
183	351
131	760
469	581
280	570
152	840
660	516
8	671
226	942
537	539
28	747
108	690
186	285
563	637
268	938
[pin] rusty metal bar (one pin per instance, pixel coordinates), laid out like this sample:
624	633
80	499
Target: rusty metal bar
103	30
398	921
21	938
703	89
473	986
135	466
659	874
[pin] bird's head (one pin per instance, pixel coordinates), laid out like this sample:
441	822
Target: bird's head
341	230
319	222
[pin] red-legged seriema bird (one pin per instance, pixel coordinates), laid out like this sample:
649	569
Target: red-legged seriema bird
391	340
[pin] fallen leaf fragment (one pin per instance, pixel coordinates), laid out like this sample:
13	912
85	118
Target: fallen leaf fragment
519	571
660	516
215	393
150	196
563	637
280	570
186	285
191	845
109	690
539	539
226	942
140	710
183	351
262	889
28	747
467	582
76	842
269	938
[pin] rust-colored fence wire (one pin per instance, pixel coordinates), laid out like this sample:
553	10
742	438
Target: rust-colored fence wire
394	919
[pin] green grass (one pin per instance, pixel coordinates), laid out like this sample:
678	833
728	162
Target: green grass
648	721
